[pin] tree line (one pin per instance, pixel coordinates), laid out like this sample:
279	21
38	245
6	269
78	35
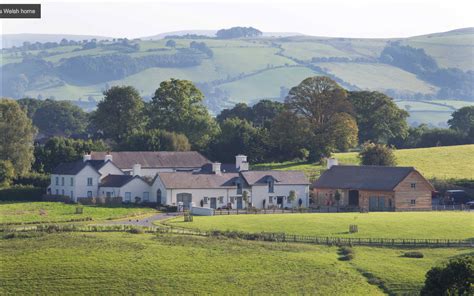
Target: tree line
317	118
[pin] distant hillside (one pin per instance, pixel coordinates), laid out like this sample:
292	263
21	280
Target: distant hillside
10	40
428	68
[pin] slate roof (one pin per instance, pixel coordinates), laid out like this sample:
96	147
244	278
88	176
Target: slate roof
281	177
225	168
195	180
362	177
154	159
72	168
116	180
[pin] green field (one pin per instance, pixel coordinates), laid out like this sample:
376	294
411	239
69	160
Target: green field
415	225
436	162
120	263
28	212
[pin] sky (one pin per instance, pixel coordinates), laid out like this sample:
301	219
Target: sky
337	18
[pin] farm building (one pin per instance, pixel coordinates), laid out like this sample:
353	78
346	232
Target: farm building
373	188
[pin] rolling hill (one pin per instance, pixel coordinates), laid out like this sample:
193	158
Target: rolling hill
249	69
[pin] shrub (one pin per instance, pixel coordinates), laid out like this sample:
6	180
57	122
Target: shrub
87	201
136	230
347	257
57	198
346	251
21	193
116	200
33	179
456	278
413	254
377	154
11	235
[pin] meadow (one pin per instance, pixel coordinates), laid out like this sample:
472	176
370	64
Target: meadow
449	162
29	212
403	225
123	263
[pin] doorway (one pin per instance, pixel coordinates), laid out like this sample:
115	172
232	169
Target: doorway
239	203
213	203
354	198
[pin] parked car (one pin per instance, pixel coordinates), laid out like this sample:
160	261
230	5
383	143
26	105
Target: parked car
456	197
470	205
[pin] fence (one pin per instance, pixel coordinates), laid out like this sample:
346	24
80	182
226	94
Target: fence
261	211
270	237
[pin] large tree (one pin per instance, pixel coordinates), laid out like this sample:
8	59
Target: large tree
178	106
377	154
378	117
463	121
16	136
319	101
264	111
155	140
59	149
120	113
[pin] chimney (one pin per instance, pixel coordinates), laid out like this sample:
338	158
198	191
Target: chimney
86	157
108	157
137	170
241	163
216	168
332	161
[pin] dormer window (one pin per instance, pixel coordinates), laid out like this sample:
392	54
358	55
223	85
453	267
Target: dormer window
271	185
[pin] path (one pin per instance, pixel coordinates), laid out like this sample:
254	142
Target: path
147	221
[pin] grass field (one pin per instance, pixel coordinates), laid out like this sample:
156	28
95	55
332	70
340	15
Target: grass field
436	162
419	225
23	212
120	263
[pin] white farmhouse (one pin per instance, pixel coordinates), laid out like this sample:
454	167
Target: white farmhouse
169	178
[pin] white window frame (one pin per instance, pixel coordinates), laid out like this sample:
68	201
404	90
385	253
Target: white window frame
91	183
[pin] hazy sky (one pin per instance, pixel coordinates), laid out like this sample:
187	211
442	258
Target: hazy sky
356	18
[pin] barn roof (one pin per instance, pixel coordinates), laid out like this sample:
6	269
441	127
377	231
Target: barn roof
154	159
362	177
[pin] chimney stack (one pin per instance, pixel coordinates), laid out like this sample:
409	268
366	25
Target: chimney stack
137	170
108	157
241	163
216	168
331	162
86	157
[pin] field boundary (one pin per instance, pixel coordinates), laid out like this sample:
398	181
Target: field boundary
262	236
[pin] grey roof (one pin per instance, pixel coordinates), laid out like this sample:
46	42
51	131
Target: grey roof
193	180
72	168
281	177
116	180
362	177
154	159
225	167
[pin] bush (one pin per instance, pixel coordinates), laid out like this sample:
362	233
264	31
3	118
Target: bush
116	200
21	193
87	201
413	254
33	179
136	231
346	251
347	257
11	235
377	154
56	198
456	278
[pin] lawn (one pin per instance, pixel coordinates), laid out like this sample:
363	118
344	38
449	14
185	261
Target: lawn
436	162
419	225
122	263
128	264
24	212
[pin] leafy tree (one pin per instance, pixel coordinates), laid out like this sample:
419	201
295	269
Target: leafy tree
264	111
378	117
377	154
319	101
292	196
344	131
16	136
240	110
238	32
456	278
177	106
59	149
120	113
7	173
60	118
155	140
30	106
171	43
463	120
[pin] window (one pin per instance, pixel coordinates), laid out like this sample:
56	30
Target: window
413	202
413	185
271	185
89	193
57	191
146	196
89	181
205	200
72	194
62	181
232	199
239	188
71	181
57	180
221	199
270	199
109	194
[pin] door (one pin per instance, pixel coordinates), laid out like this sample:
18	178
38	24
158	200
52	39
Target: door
354	198
239	203
213	203
280	201
381	203
185	198
373	203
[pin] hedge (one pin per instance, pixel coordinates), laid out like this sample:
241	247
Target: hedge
22	193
